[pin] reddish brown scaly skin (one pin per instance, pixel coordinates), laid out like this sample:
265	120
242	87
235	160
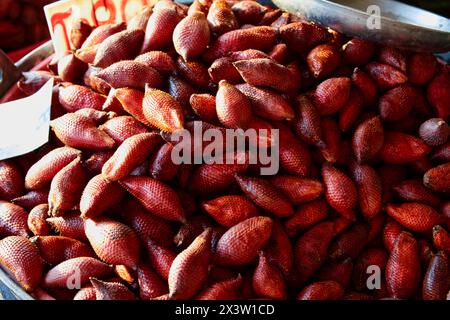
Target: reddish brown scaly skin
438	94
21	257
95	115
421	68
403	271
259	38
101	33
96	161
125	273
350	112
265	195
223	69
70	225
195	72
332	140
56	249
146	225
66	188
340	191
74	97
366	86
229	210
441	238
158	60
294	155
159	30
249	12
436	282
390	175
357	52
13	220
191	229
131	153
111	290
131	100
79	131
248	54
150	284
339	271
87	55
70	68
322	60
233	108
267	103
120	46
86	293
191	35
311	249
181	91
43	171
324	290
437	178
122	128
268	281
350	243
161	110
307	125
36	220
303	36
279	249
162	167
370	257
98	196
160	258
32	81
229	289
331	95
391	231
11	180
397	103
140	21
306	216
414	216
270	16
267	73
157	197
401	148
79	33
425	252
131	74
279	53
221	18
298	190
369	187
393	57
434	131
189	270
113	242
413	190
40	294
376	225
241	243
204	105
385	76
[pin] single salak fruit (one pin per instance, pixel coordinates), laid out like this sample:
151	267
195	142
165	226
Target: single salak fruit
393	57
223	69
331	95
241	243
233	108
437	178
357	52
191	35
130	74
122	128
158	60
421	68
249	12
268	281
307	125
279	249
369	188
189	270
350	243
66	188
36	220
436	282
401	148
397	103
98	196
340	191
74	97
303	36
265	195
416	217
229	210
366	86
403	271
101	33
21	257
332	140
111	290
228	289
160	258
279	53
113	242
350	112
79	33
195	72
438	94
150	284
11	180
157	197
323	290
56	249
441	238
70	68
70	225
78	131
161	166
120	46
295	157
131	153
322	60
221	18
162	110
385	76
298	189
131	100
159	30
371	257
413	190
311	249
306	216
434	131
391	231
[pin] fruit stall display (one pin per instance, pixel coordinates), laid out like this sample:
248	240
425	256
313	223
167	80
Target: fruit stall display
364	156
